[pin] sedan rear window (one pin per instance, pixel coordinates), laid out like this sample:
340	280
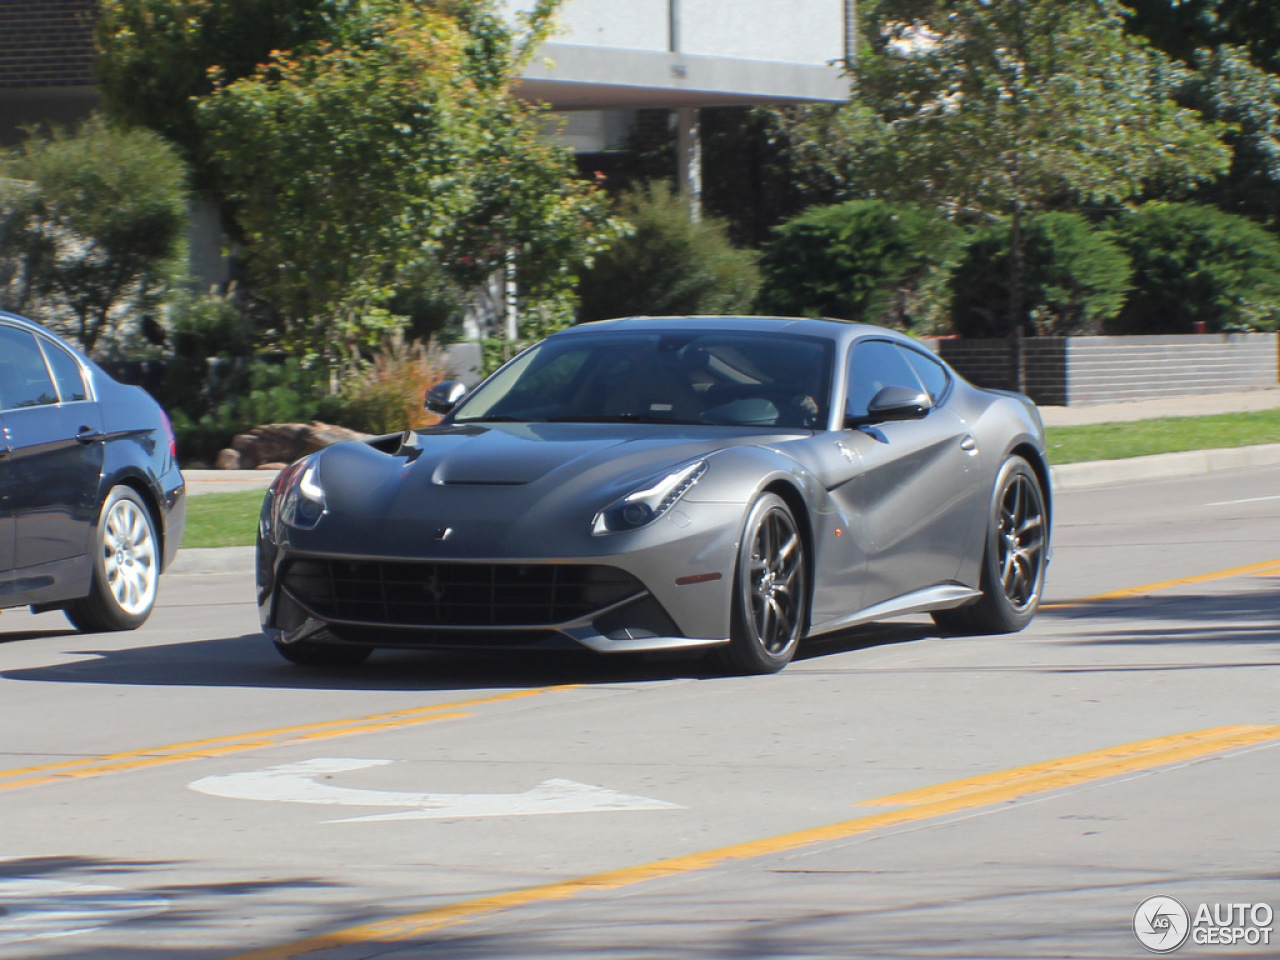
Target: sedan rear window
24	377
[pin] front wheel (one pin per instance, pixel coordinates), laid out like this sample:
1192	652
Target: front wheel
126	567
771	590
1014	560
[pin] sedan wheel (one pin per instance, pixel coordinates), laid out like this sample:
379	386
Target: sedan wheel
771	592
1013	564
126	568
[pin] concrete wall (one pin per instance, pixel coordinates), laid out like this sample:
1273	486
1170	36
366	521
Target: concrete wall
1084	370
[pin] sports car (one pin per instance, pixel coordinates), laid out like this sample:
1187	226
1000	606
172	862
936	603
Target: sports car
92	503
645	484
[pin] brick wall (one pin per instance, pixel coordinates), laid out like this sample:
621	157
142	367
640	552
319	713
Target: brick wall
1084	370
46	43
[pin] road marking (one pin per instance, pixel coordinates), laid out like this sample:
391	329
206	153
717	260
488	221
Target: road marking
1232	503
39	909
240	743
1252	569
911	807
296	783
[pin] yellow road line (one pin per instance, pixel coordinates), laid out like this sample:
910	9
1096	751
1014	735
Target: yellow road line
257	740
913	806
1252	569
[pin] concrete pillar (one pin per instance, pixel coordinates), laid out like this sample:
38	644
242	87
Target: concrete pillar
689	159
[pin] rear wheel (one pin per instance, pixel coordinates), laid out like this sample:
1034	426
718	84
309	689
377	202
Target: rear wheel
126	567
771	590
1013	563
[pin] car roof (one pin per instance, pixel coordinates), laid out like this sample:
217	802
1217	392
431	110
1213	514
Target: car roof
822	327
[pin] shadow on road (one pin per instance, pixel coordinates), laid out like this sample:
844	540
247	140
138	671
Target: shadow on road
250	661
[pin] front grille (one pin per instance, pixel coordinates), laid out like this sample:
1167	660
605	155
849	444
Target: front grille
423	594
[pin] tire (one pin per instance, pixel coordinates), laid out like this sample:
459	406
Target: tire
1013	561
770	592
126	567
307	653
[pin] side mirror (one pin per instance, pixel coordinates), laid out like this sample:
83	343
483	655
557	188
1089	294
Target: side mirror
443	397
893	404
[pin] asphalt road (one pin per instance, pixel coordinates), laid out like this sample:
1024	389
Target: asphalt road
179	793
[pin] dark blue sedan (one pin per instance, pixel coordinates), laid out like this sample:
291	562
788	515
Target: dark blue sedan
92	502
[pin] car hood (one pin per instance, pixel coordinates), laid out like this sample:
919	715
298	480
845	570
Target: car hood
505	455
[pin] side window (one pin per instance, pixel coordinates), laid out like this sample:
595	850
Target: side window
932	374
66	372
24	378
876	364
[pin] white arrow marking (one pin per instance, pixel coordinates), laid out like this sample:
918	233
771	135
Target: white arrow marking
295	783
38	909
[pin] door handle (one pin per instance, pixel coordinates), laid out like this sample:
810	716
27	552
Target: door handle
88	434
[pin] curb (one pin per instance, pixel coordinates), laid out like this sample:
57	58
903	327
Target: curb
1163	466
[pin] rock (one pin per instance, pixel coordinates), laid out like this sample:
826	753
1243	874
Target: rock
276	444
227	460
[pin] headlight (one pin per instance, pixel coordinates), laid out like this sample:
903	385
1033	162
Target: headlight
641	507
299	498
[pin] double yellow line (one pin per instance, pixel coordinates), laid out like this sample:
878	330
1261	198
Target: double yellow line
98	766
1249	570
910	807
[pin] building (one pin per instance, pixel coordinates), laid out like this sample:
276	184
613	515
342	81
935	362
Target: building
609	59
46	63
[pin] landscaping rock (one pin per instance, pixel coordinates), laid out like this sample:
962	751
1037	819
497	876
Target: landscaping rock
275	444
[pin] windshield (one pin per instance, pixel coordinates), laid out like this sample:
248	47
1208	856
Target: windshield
706	377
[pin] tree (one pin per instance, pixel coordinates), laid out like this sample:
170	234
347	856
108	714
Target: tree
1232	46
998	109
862	260
668	264
93	223
157	58
348	164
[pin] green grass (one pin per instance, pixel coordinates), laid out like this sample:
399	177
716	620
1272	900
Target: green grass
1118	441
223	519
231	519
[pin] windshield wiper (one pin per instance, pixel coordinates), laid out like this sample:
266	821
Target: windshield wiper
500	418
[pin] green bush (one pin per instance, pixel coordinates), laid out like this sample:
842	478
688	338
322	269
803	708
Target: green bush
1197	263
668	264
859	260
1075	279
238	394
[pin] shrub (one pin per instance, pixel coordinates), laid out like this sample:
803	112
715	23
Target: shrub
1197	263
668	264
1074	279
859	260
387	392
237	394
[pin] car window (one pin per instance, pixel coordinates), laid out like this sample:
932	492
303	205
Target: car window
932	374
876	364
725	378
66	372
24	377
